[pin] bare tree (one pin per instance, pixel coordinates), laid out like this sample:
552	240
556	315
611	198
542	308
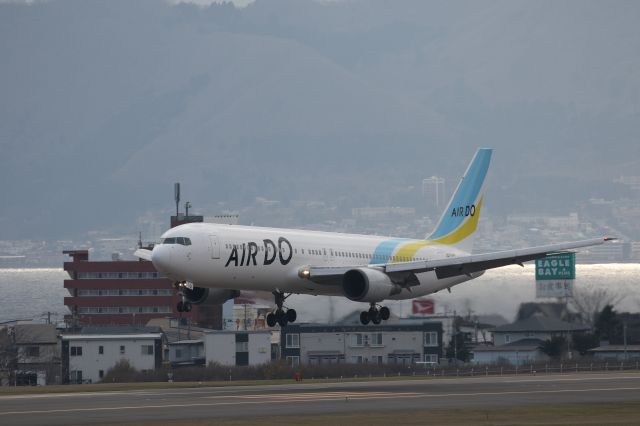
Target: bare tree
589	301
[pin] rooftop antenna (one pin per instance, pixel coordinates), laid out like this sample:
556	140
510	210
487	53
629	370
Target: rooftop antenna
139	239
176	193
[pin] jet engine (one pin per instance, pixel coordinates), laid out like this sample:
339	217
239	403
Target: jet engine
199	295
368	285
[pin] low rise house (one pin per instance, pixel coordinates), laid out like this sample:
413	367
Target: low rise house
37	354
524	351
520	342
186	352
89	354
537	326
616	353
396	342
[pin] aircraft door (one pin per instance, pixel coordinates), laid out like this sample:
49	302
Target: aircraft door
214	246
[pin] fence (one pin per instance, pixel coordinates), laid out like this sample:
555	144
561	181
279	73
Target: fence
531	369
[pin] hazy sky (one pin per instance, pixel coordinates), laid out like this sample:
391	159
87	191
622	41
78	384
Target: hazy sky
107	103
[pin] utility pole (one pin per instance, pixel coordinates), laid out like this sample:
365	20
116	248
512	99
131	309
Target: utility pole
455	339
624	336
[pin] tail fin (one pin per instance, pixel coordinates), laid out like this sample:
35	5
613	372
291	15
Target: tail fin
460	219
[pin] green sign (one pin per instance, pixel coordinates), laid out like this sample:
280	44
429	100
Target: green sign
556	267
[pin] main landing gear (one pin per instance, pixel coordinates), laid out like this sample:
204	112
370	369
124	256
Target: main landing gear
374	315
280	315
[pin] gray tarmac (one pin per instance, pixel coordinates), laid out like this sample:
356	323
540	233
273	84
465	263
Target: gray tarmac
315	398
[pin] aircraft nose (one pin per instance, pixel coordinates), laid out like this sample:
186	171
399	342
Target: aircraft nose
161	258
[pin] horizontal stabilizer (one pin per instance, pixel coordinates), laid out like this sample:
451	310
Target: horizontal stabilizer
143	254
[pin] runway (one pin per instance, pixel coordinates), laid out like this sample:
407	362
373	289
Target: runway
315	398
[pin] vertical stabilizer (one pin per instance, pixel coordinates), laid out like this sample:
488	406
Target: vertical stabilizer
459	221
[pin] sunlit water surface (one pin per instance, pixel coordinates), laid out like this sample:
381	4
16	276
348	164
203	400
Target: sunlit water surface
30	293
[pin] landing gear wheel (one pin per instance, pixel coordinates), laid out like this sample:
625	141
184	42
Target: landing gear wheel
280	315
364	317
376	318
271	319
282	318
186	306
291	315
180	306
385	313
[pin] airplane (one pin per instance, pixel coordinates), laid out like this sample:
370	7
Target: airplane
214	262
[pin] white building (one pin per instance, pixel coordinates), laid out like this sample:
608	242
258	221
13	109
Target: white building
433	191
396	342
238	347
88	355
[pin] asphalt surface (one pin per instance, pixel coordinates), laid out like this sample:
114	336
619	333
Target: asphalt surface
315	398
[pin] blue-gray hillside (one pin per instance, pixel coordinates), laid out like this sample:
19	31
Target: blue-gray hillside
105	104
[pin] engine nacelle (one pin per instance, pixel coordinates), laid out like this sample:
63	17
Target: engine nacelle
368	285
199	295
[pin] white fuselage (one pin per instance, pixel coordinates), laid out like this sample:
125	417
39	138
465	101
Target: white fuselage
268	259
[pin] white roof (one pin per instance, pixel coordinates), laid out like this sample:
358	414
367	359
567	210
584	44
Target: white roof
111	336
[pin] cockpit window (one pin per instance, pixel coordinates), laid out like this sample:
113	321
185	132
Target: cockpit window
176	240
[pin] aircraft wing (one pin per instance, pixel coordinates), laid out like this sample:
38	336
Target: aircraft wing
453	266
143	254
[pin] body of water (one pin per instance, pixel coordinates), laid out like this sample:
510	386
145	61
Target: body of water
31	293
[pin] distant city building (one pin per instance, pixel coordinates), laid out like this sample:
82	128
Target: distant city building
631	181
379	213
89	354
433	191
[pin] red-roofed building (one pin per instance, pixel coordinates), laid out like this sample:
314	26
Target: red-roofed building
124	292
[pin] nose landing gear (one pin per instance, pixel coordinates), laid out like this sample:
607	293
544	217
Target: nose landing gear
183	305
374	315
281	316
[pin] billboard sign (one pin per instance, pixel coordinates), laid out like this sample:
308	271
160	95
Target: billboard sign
422	307
557	267
555	275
